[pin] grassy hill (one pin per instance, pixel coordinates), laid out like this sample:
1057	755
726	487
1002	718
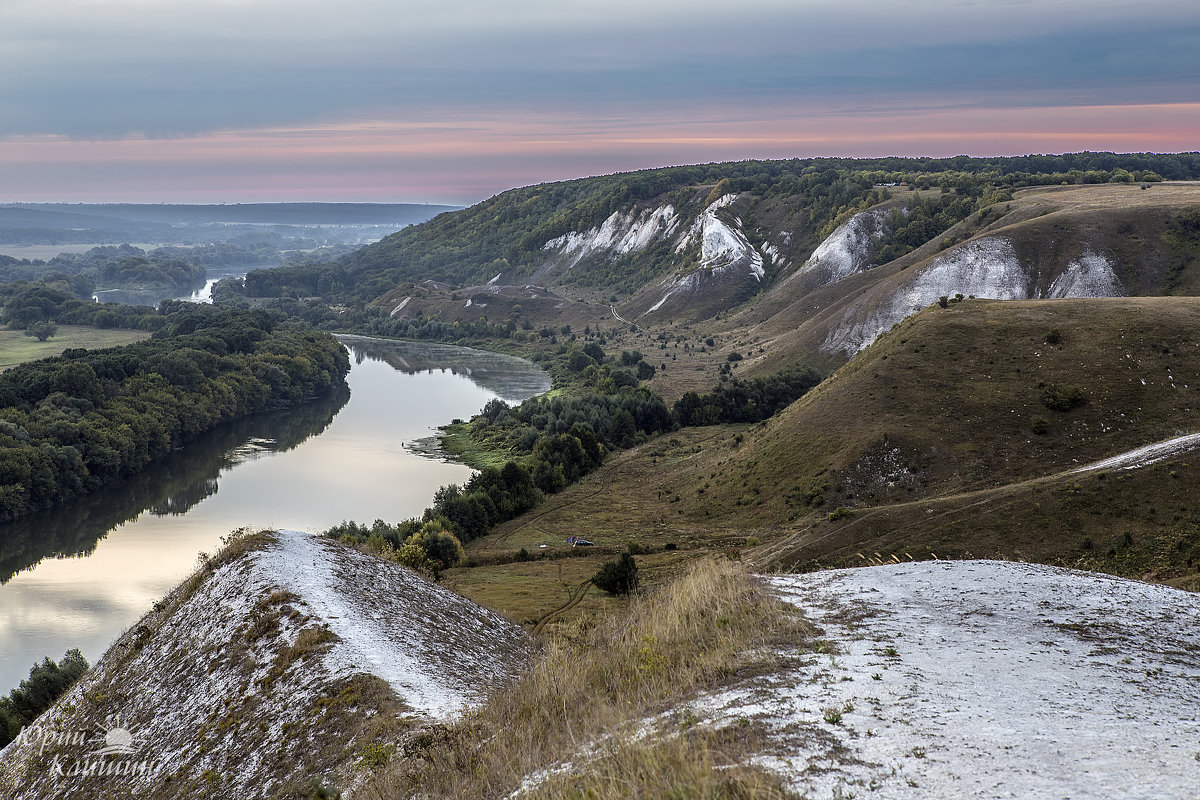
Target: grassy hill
746	269
955	434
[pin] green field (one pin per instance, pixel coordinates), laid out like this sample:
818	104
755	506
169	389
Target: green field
17	348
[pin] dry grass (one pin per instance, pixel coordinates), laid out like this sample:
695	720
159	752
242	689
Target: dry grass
590	689
697	763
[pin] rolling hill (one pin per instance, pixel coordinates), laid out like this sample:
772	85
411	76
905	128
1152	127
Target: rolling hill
987	326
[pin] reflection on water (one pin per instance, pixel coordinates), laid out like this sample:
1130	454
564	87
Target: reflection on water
76	576
173	486
508	377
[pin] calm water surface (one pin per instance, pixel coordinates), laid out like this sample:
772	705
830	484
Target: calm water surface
79	575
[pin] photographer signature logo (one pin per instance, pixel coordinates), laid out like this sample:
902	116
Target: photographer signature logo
117	741
112	752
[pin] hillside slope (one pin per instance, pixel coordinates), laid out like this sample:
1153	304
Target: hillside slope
984	393
288	664
810	260
958	433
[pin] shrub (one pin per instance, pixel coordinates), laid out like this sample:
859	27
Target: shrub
1059	398
438	544
42	330
618	577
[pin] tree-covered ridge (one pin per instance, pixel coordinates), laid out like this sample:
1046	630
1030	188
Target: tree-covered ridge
71	424
506	233
508	230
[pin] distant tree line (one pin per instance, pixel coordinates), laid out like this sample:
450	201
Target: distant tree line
26	303
73	423
47	682
127	267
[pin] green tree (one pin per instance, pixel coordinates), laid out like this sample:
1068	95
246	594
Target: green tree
42	330
438	543
47	682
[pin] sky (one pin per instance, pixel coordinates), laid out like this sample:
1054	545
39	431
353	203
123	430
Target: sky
454	101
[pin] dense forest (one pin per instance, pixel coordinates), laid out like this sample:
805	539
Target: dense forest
505	233
71	424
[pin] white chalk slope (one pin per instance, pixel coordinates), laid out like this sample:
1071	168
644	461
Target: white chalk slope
847	250
982	679
622	232
725	254
438	653
987	267
206	686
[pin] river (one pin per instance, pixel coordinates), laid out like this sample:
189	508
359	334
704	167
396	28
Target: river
152	297
78	575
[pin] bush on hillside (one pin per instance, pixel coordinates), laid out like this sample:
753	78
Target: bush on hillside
1062	398
618	577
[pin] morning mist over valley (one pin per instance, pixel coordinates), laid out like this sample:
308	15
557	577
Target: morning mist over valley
599	400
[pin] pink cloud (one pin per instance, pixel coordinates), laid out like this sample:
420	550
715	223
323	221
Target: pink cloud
463	158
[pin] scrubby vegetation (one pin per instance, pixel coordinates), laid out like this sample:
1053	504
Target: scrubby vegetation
47	682
73	423
750	400
618	577
554	444
548	443
583	699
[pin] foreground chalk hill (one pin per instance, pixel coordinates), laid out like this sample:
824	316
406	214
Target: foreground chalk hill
969	679
987	679
290	665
